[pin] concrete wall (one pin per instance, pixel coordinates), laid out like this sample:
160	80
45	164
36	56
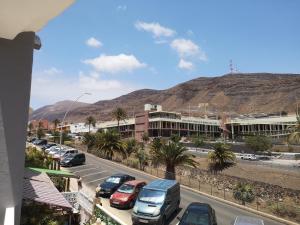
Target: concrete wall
15	81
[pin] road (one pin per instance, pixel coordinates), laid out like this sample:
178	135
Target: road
96	170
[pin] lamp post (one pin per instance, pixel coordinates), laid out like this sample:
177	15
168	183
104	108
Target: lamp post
66	113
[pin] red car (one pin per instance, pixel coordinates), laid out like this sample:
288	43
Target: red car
126	195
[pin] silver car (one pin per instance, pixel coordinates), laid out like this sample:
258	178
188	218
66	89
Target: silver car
247	220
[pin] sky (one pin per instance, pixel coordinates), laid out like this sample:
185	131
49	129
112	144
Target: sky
110	48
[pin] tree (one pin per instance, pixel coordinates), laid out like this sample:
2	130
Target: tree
119	114
175	138
130	147
221	158
109	143
172	154
56	136
258	143
89	140
145	137
30	127
35	158
244	193
40	125
294	137
40	133
56	122
90	120
142	156
198	141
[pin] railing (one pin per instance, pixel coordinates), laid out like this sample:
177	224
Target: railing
278	207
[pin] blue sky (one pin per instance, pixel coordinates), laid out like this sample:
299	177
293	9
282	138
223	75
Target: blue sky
109	48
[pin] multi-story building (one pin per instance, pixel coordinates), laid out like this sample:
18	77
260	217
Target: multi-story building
158	123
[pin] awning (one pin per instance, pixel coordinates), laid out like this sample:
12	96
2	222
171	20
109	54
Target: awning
29	15
38	187
60	173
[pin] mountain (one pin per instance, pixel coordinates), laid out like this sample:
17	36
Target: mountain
55	111
237	93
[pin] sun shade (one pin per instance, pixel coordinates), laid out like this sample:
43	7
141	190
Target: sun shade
38	187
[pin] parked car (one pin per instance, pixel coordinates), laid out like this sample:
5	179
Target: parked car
126	195
198	214
40	142
55	150
156	202
248	157
73	159
62	153
47	150
247	220
32	139
44	147
111	184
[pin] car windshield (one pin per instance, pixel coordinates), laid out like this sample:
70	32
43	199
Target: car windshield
152	196
114	180
194	217
126	188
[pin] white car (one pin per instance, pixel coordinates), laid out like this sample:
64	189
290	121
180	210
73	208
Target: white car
248	157
56	150
63	152
47	150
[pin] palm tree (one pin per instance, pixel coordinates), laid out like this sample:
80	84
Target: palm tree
90	121
172	154
119	114
130	146
40	125
109	142
221	158
30	127
89	140
244	193
56	122
145	137
294	137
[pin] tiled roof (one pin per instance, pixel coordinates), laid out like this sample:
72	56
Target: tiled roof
38	187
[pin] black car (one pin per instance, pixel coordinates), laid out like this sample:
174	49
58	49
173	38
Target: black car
111	184
73	160
48	146
40	142
198	214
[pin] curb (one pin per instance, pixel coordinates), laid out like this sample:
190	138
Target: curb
278	219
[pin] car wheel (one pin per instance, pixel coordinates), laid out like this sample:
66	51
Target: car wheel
164	221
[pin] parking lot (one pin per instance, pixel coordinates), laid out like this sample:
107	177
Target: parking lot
96	170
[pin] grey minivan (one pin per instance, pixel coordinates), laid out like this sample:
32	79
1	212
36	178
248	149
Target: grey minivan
156	202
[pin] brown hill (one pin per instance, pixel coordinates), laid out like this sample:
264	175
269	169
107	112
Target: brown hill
55	111
231	93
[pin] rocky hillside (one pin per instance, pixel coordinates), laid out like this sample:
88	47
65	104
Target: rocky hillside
55	111
231	93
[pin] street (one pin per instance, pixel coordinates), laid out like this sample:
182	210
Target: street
96	170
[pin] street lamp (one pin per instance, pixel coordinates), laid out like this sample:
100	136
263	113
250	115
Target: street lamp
66	113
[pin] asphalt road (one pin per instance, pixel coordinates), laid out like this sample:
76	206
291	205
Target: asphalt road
96	170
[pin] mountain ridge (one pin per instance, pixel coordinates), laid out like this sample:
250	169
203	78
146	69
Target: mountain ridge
236	93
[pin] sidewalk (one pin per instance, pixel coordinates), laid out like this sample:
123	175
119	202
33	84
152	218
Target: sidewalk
123	215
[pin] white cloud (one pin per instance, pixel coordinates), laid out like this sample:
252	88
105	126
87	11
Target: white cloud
50	89
186	48
52	71
155	28
183	64
93	42
115	63
122	7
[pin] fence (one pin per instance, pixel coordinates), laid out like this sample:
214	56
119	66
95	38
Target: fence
278	207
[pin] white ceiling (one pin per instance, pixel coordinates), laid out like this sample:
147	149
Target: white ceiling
17	16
